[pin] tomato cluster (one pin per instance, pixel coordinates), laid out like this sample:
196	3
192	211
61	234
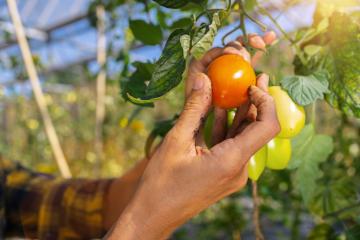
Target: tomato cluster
231	76
276	154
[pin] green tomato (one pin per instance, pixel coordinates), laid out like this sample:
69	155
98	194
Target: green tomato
278	153
257	164
291	116
230	116
208	128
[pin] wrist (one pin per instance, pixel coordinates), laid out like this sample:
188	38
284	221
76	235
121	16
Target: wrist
142	219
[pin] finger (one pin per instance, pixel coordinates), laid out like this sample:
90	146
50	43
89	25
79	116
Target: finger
254	40
219	128
235	47
269	37
196	107
263	81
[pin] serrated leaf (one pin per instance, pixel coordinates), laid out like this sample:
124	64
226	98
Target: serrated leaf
202	43
309	150
185	44
146	33
306	89
169	68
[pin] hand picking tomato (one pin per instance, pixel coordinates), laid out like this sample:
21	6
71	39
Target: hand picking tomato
291	116
257	163
230	76
278	153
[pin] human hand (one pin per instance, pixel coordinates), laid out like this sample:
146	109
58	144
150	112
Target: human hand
245	113
182	178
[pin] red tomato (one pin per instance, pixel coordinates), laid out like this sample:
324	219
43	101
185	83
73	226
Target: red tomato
230	76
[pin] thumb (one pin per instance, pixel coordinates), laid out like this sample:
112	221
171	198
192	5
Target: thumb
196	107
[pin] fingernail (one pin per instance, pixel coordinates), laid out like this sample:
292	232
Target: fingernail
198	83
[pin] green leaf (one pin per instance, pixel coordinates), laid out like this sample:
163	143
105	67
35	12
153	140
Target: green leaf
178	3
306	89
185	44
134	87
181	23
169	68
299	145
146	33
203	39
309	150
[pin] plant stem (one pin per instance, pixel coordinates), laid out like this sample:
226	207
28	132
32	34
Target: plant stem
228	34
256	212
242	22
284	33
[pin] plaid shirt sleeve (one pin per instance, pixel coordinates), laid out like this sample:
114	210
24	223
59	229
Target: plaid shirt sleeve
41	206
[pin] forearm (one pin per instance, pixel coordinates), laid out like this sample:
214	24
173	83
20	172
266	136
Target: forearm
120	193
143	220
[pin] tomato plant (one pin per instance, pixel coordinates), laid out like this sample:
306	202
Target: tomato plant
313	68
230	76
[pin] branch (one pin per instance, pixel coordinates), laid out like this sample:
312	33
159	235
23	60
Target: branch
100	88
256	219
36	87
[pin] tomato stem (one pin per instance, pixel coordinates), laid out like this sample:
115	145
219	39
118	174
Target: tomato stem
256	212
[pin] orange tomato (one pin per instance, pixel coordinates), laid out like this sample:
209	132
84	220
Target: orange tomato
230	76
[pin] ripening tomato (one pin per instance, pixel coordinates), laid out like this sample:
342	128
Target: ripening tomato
291	116
278	153
257	164
230	76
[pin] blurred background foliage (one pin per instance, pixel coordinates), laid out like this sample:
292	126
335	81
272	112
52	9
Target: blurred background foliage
333	212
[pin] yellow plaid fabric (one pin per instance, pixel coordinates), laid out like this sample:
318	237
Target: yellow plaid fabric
35	205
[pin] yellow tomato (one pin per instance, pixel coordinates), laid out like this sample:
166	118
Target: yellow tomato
278	153
257	164
291	116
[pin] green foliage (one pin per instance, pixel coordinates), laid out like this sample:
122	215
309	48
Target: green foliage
169	68
202	39
306	89
309	150
321	232
147	33
338	56
344	63
134	86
